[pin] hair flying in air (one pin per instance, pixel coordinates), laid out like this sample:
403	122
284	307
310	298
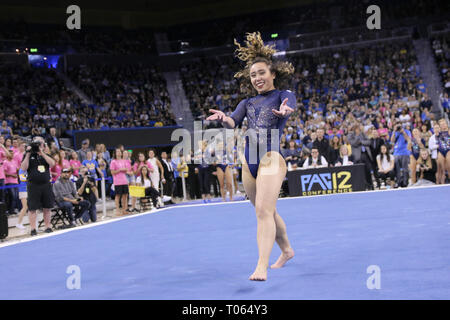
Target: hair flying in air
256	51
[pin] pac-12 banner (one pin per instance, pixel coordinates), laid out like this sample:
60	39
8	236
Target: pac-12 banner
309	182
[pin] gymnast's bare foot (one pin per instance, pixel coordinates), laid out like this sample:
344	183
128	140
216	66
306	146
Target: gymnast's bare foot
284	257
260	274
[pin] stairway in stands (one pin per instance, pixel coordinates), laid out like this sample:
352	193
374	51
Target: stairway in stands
429	72
179	102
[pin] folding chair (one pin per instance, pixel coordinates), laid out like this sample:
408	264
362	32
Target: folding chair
145	203
58	215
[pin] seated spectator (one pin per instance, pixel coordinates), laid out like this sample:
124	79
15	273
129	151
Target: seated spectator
88	191
144	180
344	159
426	169
292	154
315	160
385	162
67	197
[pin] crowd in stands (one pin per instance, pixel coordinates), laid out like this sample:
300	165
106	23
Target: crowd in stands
209	83
35	99
123	96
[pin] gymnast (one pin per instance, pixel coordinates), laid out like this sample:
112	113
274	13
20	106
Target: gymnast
266	108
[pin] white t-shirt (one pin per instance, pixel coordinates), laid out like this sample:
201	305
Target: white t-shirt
147	182
385	164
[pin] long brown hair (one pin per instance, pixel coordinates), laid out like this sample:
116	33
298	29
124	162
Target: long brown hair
255	51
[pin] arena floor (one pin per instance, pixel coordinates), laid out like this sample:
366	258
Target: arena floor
208	251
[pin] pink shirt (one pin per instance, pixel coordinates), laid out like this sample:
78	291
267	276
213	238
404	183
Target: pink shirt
10	167
136	166
75	164
119	179
18	156
2	171
56	169
2	155
66	164
382	131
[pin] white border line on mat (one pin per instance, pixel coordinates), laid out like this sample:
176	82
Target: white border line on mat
58	232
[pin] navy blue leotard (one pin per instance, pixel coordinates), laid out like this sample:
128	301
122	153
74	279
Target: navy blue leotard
258	110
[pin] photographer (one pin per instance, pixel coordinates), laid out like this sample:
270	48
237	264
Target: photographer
87	189
68	198
400	139
40	194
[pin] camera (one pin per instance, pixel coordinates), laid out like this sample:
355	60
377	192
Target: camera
91	180
35	146
398	127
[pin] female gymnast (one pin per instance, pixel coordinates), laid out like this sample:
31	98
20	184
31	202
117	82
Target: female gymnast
266	108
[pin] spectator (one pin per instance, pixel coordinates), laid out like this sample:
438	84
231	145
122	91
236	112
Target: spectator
400	139
119	169
52	138
153	162
88	191
385	165
5	130
144	180
322	144
361	152
426	168
11	178
316	160
292	154
57	168
66	197
75	164
168	175
193	179
82	153
335	147
23	195
65	162
344	158
415	144
92	165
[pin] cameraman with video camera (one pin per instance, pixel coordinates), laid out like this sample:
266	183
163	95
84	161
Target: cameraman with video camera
40	194
400	138
86	187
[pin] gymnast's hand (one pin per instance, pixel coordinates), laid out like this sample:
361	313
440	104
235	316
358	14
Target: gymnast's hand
216	116
285	111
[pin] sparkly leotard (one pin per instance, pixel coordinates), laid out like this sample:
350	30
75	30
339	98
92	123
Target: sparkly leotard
258	110
443	140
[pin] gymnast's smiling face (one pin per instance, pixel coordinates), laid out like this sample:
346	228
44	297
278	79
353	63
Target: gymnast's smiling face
261	77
